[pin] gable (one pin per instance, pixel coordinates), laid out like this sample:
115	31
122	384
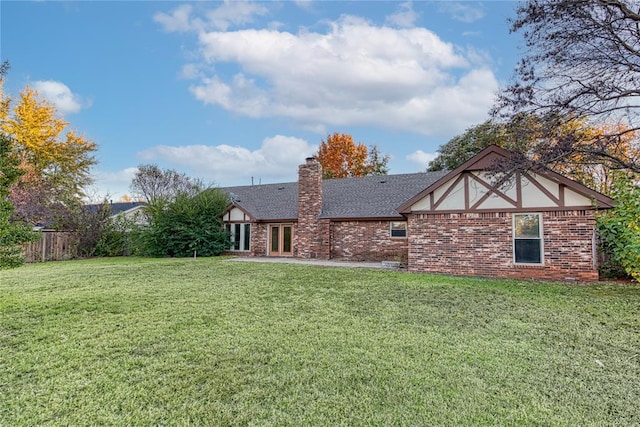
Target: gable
236	214
475	191
470	188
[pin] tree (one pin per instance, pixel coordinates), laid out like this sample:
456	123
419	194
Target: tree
619	228
56	166
152	184
523	133
121	236
377	162
341	157
13	234
583	62
462	147
187	225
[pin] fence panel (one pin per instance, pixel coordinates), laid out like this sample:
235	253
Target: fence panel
52	246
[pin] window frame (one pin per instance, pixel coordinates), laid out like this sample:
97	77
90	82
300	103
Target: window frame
540	238
237	242
392	229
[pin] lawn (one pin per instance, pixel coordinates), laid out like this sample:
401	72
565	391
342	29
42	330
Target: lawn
212	342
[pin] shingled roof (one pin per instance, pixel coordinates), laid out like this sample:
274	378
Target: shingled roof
115	208
367	197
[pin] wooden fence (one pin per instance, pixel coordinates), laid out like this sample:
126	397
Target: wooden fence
52	246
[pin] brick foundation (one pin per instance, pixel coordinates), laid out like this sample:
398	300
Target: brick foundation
480	244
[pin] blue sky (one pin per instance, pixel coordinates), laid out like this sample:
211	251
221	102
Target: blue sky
227	91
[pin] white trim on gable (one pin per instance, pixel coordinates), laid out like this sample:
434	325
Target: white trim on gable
470	188
236	214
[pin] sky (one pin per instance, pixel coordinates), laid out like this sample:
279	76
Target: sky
239	92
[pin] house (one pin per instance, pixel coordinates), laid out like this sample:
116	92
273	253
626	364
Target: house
133	211
528	225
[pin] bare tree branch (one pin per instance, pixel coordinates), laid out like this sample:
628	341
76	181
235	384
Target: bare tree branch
582	61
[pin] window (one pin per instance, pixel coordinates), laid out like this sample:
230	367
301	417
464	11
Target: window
527	238
398	229
240	236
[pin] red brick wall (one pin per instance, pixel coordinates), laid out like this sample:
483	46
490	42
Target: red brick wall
258	239
366	241
480	244
312	234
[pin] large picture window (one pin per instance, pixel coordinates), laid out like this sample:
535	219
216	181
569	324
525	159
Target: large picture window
240	236
398	229
527	239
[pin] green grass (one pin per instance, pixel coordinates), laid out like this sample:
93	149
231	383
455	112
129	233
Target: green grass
211	342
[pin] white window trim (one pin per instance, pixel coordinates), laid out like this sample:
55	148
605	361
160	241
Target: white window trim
242	235
541	237
406	230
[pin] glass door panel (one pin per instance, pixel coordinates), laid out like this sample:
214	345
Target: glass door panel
281	240
275	240
286	239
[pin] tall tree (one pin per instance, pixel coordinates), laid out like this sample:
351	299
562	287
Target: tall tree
583	61
341	157
56	163
13	234
462	147
152	184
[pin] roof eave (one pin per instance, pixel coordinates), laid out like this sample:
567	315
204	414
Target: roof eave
601	201
405	208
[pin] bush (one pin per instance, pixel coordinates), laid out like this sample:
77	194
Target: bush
619	230
120	237
186	226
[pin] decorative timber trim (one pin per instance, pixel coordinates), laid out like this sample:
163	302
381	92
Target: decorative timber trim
227	213
482	161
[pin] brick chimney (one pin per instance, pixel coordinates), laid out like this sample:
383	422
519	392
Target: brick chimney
312	233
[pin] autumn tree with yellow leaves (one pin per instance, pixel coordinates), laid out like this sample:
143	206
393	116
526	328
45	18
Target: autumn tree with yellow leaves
56	161
341	157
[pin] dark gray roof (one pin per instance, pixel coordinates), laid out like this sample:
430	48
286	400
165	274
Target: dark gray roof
372	196
267	201
367	197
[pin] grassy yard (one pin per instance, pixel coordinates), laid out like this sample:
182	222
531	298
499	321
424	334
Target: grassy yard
210	342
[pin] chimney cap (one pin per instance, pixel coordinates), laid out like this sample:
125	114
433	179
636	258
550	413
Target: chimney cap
312	159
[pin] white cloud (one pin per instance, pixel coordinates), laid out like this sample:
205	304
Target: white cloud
59	94
234	13
304	4
179	20
355	74
421	158
276	159
228	14
405	17
110	185
191	72
463	12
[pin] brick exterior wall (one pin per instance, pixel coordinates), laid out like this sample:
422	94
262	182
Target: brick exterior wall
366	241
480	244
312	237
258	239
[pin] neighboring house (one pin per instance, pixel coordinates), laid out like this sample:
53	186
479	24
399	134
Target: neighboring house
533	225
133	211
